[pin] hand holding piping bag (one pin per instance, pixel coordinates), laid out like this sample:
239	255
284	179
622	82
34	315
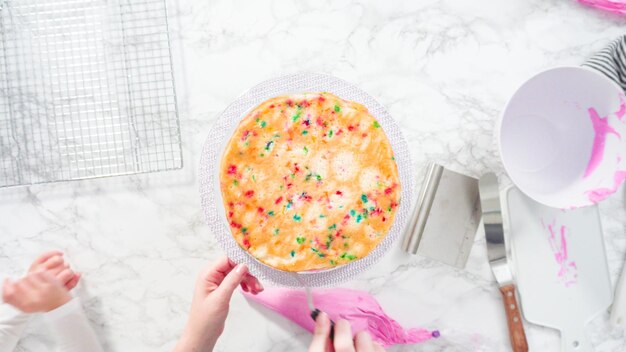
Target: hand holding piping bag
342	341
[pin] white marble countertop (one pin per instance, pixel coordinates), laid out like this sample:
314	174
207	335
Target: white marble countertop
444	69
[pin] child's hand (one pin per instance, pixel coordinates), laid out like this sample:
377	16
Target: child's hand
211	299
39	291
53	263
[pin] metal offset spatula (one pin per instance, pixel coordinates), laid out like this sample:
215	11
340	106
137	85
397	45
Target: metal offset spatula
496	250
315	312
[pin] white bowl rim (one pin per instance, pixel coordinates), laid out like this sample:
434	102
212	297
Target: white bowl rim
498	129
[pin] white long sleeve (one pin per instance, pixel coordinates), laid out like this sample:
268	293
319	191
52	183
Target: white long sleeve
71	329
12	325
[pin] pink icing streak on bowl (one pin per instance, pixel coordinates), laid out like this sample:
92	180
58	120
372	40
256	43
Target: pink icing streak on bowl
561	137
604	127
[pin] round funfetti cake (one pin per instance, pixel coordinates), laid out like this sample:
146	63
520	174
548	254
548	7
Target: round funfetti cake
309	182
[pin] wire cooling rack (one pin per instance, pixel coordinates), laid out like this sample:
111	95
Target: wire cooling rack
86	90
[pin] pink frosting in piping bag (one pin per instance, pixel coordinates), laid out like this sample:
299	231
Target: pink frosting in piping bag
614	6
359	308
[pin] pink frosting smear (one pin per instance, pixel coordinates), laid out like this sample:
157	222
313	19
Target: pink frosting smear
568	271
600	194
622	109
602	129
616	6
359	308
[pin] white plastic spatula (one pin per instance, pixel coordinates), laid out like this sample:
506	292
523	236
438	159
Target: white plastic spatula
618	309
560	266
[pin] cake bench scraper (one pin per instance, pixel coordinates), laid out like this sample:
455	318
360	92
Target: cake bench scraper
445	219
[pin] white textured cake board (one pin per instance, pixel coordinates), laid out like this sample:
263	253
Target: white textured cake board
225	126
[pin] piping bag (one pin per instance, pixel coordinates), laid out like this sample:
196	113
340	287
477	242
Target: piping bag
359	308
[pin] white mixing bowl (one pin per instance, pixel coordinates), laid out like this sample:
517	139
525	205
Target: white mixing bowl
562	137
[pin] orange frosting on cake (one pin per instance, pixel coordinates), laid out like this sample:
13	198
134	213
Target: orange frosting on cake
309	182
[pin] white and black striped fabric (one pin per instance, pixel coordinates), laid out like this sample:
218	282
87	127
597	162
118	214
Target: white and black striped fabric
611	61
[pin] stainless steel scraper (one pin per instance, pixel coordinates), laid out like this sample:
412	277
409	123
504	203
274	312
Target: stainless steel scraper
445	218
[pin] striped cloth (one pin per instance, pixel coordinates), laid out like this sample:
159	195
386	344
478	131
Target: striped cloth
611	61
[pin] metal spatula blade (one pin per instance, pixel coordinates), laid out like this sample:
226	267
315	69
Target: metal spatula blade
315	312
